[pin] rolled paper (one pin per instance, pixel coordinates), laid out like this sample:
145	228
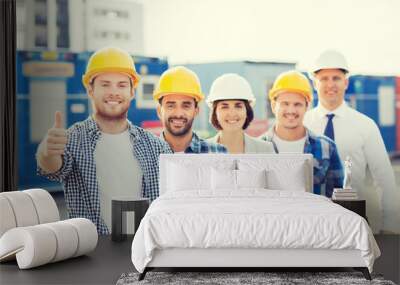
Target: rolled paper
33	246
7	217
87	235
67	239
45	205
23	208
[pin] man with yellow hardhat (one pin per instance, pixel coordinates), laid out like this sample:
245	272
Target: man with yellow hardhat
178	93
105	155
290	96
357	137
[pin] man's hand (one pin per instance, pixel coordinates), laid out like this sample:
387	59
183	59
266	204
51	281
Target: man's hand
56	138
53	146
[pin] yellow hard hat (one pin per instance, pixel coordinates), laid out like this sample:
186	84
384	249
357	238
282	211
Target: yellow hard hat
110	59
292	81
179	80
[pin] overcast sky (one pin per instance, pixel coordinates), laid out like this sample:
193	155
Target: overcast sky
192	31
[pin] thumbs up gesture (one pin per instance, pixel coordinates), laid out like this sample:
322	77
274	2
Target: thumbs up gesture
56	138
58	120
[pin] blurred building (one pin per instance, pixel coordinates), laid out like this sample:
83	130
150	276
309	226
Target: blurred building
79	25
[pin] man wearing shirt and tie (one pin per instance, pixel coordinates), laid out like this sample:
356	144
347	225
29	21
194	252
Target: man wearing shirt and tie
356	136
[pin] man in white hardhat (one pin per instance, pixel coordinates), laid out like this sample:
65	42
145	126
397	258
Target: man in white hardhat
356	136
231	101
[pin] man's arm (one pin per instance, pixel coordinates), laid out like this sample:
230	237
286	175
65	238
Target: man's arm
52	147
383	176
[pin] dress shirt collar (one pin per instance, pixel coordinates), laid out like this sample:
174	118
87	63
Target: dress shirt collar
339	111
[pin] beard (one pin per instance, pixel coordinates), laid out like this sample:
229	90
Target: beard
108	115
181	132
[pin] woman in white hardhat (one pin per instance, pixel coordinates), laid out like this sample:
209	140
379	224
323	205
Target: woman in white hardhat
231	101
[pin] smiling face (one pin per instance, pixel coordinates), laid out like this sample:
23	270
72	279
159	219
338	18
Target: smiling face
331	85
111	94
177	113
289	109
231	114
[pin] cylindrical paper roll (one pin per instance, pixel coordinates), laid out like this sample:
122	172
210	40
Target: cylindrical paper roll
7	217
24	210
87	235
34	246
67	239
45	205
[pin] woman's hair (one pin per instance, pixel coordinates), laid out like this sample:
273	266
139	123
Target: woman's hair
249	115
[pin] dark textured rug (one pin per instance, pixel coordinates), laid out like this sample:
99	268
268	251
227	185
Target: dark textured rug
228	278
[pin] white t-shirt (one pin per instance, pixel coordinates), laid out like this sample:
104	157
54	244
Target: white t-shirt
357	136
285	146
118	172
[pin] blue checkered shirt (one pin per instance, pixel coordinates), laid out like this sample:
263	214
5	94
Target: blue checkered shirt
328	169
198	145
78	171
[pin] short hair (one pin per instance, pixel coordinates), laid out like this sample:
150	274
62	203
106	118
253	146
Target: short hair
345	72
307	102
195	102
91	82
249	115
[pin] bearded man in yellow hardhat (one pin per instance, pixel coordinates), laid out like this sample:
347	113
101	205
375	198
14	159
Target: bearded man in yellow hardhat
105	155
178	93
290	96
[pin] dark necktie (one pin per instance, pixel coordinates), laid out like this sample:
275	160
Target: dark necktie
329	127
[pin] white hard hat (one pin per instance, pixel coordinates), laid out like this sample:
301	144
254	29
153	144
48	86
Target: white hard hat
330	59
230	86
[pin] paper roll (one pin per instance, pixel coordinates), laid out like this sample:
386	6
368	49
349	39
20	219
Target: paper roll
45	205
33	246
67	240
23	207
87	235
7	218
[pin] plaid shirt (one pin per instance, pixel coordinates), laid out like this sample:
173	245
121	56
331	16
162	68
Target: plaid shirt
78	171
328	169
198	145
